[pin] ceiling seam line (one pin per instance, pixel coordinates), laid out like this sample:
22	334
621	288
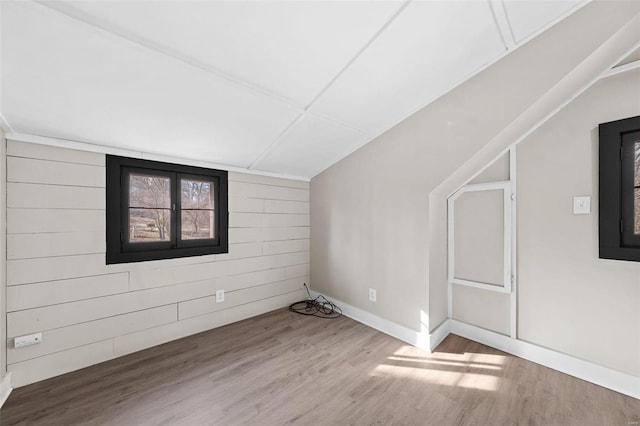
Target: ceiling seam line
280	138
275	142
359	53
508	43
509	26
337	121
497	24
553	22
170	53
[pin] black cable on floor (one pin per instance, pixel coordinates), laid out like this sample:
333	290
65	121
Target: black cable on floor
319	307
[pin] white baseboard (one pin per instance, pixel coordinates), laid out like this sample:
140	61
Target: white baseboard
576	367
5	388
422	340
438	335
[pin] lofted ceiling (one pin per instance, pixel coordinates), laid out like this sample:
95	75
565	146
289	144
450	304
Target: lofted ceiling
288	87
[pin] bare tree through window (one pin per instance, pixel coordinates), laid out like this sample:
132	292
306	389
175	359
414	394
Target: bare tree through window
636	187
197	209
149	208
161	210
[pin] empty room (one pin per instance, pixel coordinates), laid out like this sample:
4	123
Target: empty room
310	212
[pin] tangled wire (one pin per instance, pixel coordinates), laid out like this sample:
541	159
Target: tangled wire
319	307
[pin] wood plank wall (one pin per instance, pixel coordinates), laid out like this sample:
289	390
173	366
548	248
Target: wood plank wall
89	312
3	262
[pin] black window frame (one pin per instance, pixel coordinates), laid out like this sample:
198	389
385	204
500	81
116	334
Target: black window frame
120	250
615	191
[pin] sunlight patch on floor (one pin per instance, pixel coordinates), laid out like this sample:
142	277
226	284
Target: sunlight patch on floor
427	361
467	380
465	370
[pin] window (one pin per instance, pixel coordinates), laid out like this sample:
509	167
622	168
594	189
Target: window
619	190
161	211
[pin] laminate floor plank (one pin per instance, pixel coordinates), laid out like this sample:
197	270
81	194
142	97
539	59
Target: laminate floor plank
281	368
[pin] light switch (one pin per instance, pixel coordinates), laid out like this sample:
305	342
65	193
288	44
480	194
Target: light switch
581	205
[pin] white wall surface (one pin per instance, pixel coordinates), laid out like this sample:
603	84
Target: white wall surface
498	171
375	223
90	312
479	222
569	300
482	308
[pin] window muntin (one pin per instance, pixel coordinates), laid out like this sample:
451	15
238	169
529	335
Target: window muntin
160	210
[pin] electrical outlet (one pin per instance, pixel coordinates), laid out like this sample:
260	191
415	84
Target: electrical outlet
28	340
372	294
219	296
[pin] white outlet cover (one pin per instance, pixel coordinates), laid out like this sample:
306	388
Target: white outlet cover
582	205
372	295
31	339
219	296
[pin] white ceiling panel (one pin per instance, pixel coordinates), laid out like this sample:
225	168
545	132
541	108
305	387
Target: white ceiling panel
291	48
428	49
527	17
64	79
286	86
310	146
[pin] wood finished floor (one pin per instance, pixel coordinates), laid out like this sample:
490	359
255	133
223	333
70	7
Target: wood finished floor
283	368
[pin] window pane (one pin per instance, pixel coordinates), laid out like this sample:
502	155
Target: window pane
636	210
197	224
197	211
636	166
148	225
196	194
636	204
148	191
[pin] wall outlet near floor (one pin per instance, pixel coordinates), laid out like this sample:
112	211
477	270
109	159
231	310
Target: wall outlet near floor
219	296
29	340
372	295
